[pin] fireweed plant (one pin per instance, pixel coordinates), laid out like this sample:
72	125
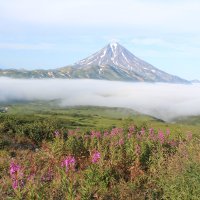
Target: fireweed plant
132	163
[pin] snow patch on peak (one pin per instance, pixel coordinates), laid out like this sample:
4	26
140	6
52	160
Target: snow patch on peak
104	53
125	57
113	45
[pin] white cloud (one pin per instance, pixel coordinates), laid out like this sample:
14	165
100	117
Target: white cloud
173	15
23	46
171	44
149	41
179	47
164	101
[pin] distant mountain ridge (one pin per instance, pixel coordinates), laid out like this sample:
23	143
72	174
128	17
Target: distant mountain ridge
113	62
195	81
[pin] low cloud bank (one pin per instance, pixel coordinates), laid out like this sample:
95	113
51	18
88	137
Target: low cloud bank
164	101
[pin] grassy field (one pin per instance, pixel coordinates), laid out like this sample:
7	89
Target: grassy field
88	117
81	116
53	152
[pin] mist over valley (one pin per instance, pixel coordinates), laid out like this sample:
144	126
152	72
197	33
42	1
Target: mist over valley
161	100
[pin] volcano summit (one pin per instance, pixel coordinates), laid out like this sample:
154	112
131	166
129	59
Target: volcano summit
113	62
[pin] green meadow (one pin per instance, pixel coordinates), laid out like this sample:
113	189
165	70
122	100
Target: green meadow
87	152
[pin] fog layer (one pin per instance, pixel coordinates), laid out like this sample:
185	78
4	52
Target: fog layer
164	101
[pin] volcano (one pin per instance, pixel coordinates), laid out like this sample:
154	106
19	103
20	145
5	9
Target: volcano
113	62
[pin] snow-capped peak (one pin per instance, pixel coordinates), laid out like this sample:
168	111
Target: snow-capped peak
113	55
113	45
113	62
123	61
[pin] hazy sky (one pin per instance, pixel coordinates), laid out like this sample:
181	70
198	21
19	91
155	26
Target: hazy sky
165	101
54	33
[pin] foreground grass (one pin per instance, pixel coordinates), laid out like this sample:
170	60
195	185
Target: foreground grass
130	163
89	158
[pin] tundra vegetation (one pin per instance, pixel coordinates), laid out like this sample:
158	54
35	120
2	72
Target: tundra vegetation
96	153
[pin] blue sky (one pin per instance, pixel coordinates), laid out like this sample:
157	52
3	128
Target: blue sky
55	33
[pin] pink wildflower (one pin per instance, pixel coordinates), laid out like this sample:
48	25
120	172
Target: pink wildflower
56	133
131	129
152	136
15	184
48	176
16	175
106	133
31	177
129	135
161	137
116	131
142	132
86	136
69	163
121	142
167	132
14	168
95	157
151	130
96	134
172	143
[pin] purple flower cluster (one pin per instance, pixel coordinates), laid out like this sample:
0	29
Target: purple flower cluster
131	129
69	163
16	175
161	137
96	157
57	133
152	135
95	134
48	176
121	142
106	133
137	150
116	131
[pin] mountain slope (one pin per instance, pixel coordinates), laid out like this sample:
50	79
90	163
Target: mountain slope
113	62
195	81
